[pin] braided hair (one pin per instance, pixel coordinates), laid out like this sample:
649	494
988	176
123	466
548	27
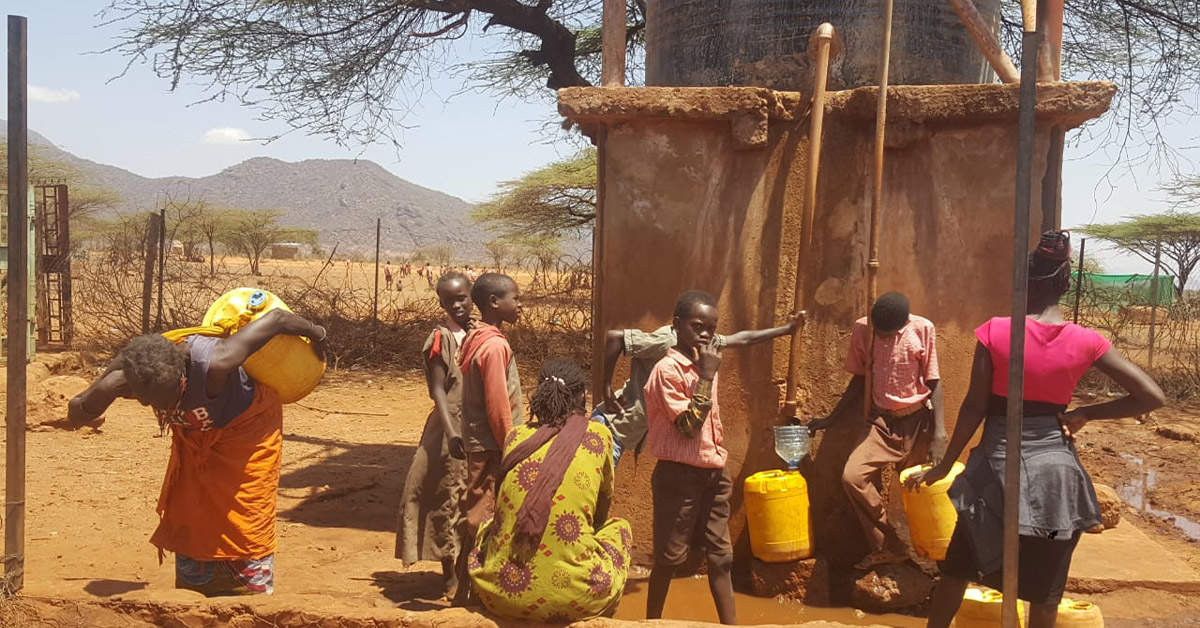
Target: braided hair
560	384
1050	266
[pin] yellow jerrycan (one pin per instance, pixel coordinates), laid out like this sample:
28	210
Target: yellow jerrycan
981	609
931	516
287	363
777	516
1078	614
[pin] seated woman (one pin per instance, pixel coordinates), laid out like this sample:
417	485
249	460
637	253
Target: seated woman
217	505
1058	501
546	556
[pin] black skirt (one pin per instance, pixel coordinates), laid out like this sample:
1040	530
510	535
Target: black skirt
1044	565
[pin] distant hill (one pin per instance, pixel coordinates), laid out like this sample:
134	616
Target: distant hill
339	198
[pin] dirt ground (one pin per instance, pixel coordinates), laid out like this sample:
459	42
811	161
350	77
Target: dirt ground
91	498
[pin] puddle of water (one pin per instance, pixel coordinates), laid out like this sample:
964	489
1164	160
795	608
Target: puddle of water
1136	493
690	600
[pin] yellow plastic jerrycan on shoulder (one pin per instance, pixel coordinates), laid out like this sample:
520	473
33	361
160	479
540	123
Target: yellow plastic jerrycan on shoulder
931	516
1078	614
981	609
777	516
287	364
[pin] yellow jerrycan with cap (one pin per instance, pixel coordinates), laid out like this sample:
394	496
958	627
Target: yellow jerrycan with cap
931	516
1078	614
981	609
287	364
777	516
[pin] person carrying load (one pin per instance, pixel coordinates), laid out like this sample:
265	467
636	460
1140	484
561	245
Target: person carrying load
217	505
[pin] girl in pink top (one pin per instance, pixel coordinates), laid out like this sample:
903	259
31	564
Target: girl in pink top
1058	501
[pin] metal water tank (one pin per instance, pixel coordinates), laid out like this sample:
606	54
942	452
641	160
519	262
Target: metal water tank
764	42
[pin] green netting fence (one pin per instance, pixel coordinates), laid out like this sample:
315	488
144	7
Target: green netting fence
1119	290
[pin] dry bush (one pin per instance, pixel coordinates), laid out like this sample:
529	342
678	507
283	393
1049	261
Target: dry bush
108	297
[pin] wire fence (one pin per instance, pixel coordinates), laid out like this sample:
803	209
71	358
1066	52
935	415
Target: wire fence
1157	327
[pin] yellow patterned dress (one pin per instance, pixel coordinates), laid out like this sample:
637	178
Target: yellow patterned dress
579	569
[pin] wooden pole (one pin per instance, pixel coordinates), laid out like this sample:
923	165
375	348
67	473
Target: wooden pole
152	235
18	304
162	265
1154	303
375	300
1079	278
1033	17
986	41
877	195
612	44
1016	350
822	40
1054	36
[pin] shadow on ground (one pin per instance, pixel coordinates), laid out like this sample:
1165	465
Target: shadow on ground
343	484
109	588
413	590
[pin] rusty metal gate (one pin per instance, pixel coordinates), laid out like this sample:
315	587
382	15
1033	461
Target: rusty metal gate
52	206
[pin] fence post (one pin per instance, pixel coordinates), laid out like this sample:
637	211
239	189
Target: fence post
1079	278
18	304
375	301
148	276
162	265
1154	303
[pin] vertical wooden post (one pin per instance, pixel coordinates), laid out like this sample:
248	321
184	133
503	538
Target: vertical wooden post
162	265
151	249
1079	278
1154	303
1014	418
1054	36
375	300
18	305
885	57
612	44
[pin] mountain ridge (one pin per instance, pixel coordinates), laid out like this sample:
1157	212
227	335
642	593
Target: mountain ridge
338	198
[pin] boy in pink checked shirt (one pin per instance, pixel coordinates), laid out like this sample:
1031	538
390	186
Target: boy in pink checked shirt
907	426
690	487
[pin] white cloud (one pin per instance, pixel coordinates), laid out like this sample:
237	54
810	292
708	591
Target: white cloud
225	135
52	96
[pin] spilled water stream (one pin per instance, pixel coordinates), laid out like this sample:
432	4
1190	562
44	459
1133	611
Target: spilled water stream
690	600
1137	493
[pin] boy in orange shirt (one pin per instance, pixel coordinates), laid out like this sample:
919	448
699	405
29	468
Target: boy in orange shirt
491	403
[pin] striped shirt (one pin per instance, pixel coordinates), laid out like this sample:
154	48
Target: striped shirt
668	394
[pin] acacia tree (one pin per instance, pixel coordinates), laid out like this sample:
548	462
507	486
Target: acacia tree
499	251
1179	233
549	203
344	68
250	232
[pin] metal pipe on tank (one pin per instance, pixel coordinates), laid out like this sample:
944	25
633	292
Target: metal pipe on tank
877	192
821	48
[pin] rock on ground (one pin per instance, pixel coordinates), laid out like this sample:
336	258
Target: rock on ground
889	588
806	580
1110	506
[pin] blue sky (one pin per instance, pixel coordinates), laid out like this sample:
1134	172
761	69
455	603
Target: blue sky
463	146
